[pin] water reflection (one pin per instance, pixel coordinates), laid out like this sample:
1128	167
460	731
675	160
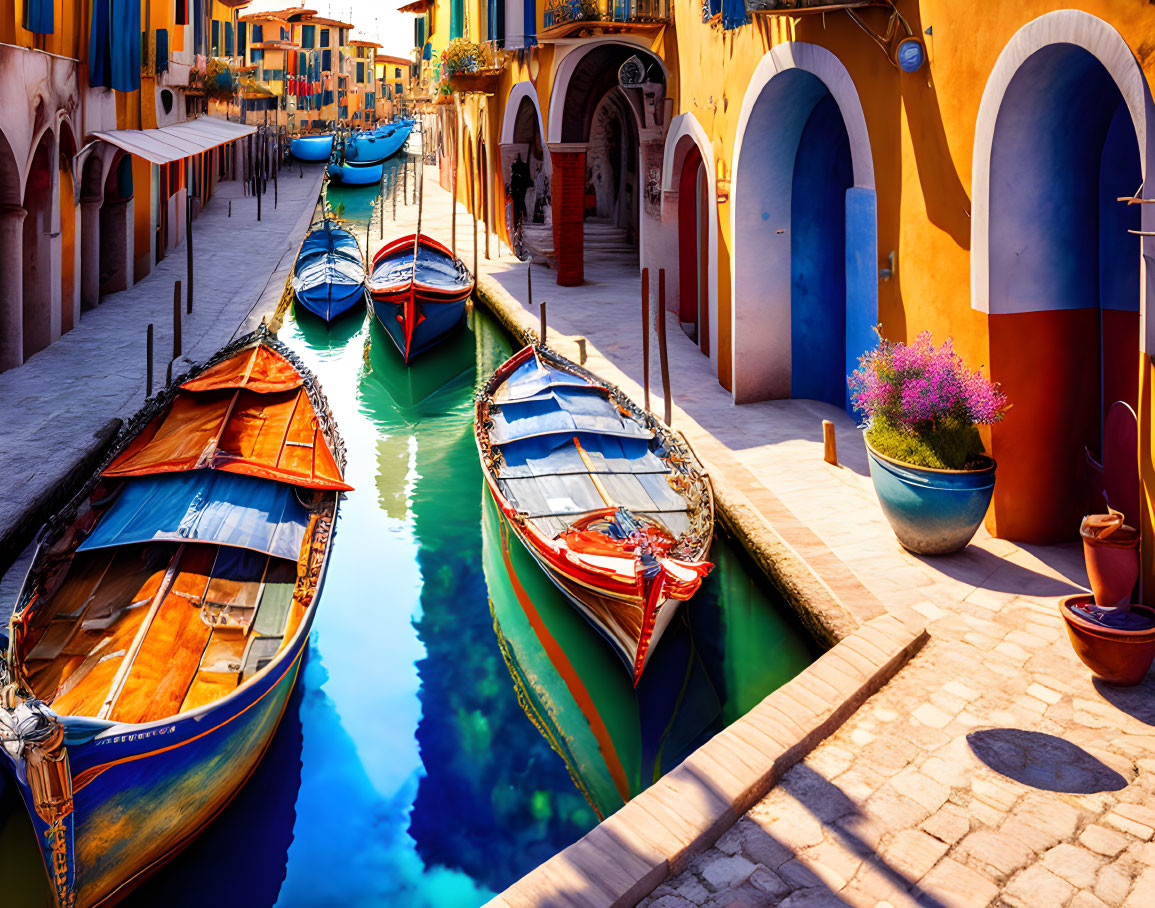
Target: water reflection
727	649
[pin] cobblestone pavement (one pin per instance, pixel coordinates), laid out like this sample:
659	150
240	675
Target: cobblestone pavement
68	391
992	769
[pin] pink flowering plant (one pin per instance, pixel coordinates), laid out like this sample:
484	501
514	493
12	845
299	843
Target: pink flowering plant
921	405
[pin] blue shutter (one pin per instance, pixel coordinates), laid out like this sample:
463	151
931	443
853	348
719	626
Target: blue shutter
216	38
228	39
529	22
38	16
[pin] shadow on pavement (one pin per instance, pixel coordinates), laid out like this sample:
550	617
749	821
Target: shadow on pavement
1043	761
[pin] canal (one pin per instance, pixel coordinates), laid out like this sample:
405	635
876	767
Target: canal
456	722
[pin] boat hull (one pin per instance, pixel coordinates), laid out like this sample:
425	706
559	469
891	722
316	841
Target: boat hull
141	793
311	148
347	175
436	320
373	149
329	305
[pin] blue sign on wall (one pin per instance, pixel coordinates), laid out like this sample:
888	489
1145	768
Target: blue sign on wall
910	55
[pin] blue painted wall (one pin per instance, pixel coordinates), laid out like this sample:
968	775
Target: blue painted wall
1119	176
822	175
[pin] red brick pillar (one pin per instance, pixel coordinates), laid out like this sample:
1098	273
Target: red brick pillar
567	187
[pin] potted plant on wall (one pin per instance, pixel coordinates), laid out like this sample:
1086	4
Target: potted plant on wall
922	407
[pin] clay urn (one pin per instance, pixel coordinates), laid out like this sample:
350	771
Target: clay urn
1116	644
1111	550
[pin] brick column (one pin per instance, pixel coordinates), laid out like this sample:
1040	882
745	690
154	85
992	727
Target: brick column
11	286
567	192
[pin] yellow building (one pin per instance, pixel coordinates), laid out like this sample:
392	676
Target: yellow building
84	209
804	175
363	93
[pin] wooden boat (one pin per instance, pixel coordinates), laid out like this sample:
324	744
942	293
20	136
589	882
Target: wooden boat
165	617
612	504
349	175
371	148
312	148
418	291
329	274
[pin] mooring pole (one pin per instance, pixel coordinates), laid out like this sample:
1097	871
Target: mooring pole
276	167
475	247
581	342
176	338
646	335
667	396
453	210
529	283
188	242
829	443
148	364
256	185
544	327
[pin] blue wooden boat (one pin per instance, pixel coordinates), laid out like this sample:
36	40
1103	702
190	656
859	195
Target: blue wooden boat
349	175
312	148
165	616
418	290
329	274
373	149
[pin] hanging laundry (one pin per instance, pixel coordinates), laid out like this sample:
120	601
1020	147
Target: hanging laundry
114	45
39	16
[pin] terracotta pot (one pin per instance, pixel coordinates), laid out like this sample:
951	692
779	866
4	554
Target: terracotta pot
1118	656
1111	550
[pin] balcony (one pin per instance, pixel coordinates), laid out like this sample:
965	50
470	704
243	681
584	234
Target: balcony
580	18
806	7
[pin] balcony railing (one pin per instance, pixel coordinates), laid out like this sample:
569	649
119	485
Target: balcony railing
569	17
803	7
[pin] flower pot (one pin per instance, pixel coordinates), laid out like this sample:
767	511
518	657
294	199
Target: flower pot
1111	550
932	512
1115	655
485	80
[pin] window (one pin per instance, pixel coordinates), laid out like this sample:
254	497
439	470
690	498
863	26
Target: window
529	20
324	37
228	39
114	49
360	72
256	55
397	72
258	36
400	88
344	36
326	59
216	38
242	34
308	35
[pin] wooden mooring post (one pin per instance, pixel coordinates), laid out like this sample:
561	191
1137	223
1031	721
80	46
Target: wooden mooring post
544	326
176	338
475	249
667	396
188	242
148	363
582	356
829	443
646	336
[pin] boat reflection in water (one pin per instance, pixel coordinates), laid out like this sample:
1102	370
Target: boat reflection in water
730	647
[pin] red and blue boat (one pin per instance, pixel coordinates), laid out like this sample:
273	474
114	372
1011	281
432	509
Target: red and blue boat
610	502
418	290
164	619
329	274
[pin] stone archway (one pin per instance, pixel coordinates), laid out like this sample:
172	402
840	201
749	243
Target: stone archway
1062	134
116	233
11	259
41	313
91	197
804	228
688	182
607	92
525	169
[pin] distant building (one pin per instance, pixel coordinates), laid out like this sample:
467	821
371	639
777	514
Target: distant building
394	77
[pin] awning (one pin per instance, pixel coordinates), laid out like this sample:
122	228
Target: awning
180	140
418	6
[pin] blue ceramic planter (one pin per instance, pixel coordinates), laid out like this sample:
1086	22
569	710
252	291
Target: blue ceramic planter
932	512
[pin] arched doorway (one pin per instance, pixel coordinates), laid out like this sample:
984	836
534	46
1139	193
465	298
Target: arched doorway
525	172
116	234
11	260
804	230
91	196
39	200
1059	270
694	213
606	118
69	311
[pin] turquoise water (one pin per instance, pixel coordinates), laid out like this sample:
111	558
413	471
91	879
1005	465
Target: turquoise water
413	766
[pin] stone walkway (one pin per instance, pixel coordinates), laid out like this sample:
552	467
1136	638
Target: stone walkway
992	769
57	401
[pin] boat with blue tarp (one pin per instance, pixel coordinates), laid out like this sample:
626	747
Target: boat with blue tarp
418	290
611	503
312	148
329	274
165	616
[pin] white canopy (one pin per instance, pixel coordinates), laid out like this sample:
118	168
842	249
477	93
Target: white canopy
180	140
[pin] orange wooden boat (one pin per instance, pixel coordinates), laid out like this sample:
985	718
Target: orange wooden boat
164	619
611	503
